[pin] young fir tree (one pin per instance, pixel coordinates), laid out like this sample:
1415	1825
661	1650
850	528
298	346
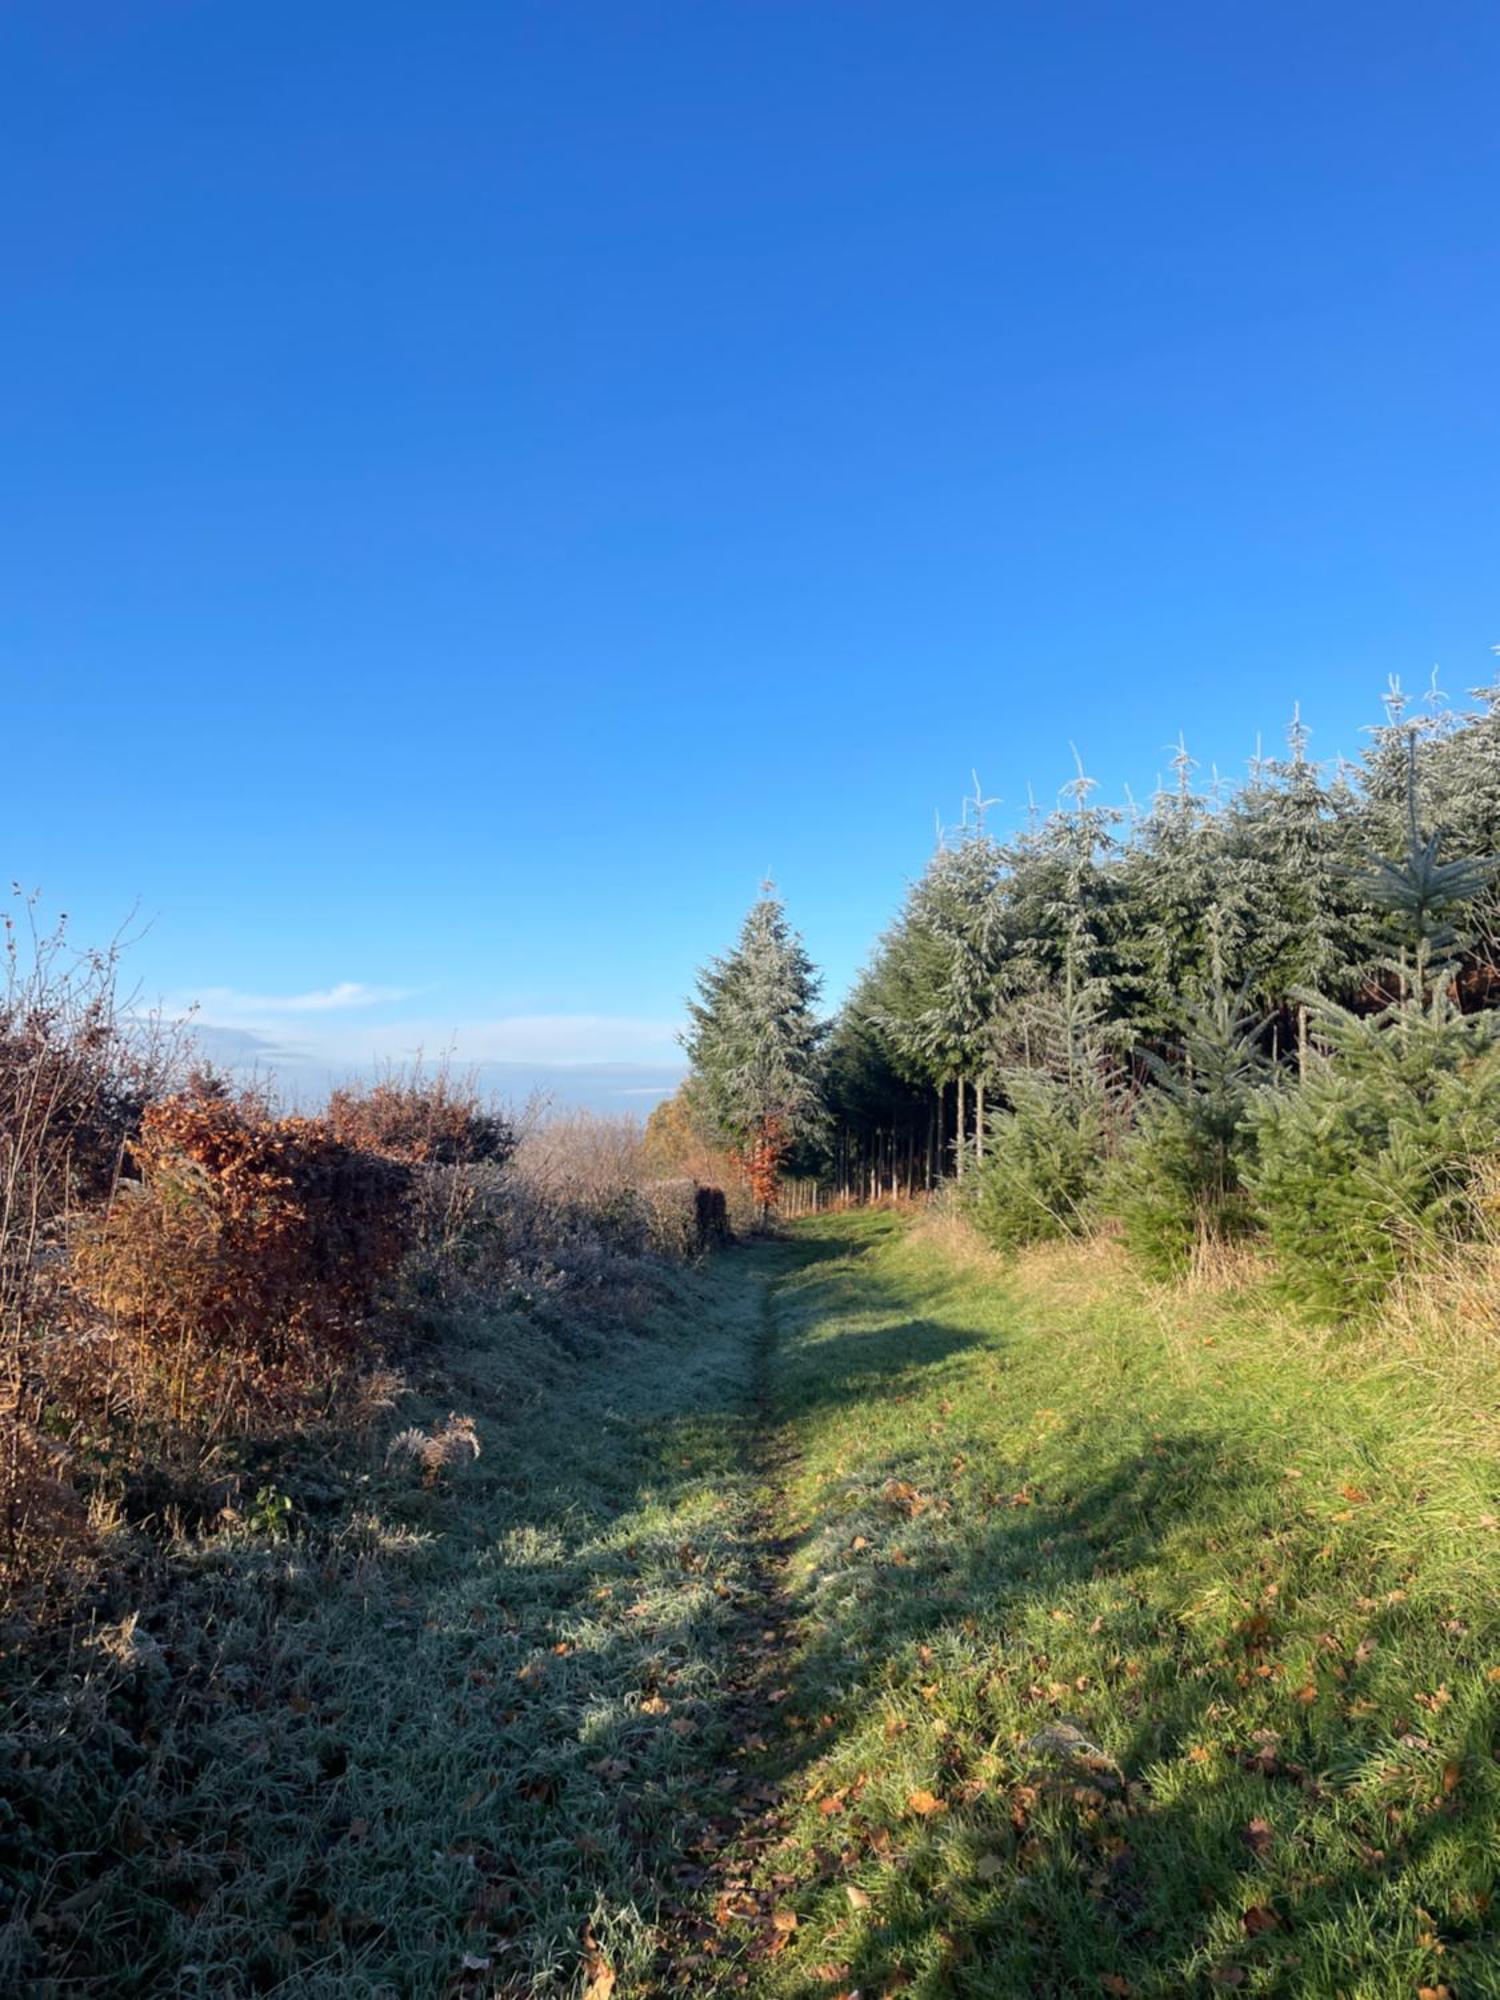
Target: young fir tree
1169	875
942	979
1369	1165
755	1044
1063	1109
1179	1183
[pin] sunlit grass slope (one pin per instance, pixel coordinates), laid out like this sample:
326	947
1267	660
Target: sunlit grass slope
1149	1646
870	1619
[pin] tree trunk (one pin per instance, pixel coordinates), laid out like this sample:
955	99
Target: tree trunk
979	1118
958	1143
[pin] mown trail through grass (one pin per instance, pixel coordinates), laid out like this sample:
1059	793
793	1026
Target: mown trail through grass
875	1622
1131	1643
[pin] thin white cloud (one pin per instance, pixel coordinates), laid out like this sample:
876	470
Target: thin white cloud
546	1038
220	1002
356	1043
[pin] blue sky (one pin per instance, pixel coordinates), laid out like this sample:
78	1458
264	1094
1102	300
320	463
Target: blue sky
480	484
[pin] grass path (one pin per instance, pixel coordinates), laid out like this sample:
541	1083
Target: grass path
877	1623
1133	1644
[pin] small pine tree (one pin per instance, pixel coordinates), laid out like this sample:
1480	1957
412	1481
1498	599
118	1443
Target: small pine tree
1063	1114
755	1044
1369	1164
1179	1182
942	975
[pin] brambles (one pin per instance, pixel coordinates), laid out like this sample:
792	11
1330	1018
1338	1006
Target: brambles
72	1083
247	1257
190	1278
678	1144
436	1120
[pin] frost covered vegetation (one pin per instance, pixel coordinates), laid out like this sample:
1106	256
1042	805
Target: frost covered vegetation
1261	1015
428	1574
245	1356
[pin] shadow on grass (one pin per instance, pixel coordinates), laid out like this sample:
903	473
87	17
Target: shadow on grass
1043	1874
347	1770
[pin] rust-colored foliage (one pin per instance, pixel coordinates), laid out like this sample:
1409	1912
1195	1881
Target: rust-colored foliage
71	1087
246	1234
764	1159
427	1121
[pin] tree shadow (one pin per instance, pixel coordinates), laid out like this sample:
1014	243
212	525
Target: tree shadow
1041	1871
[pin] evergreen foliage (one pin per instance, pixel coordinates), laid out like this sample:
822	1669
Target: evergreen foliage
1367	1166
756	1046
1048	1149
1293	1026
1370	1164
1180	1180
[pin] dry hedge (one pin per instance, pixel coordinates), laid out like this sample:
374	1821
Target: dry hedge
246	1235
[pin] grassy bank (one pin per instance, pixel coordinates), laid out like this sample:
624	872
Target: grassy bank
1147	1646
870	1619
432	1740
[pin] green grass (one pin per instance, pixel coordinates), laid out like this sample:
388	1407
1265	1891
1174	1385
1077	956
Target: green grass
1257	1569
756	1616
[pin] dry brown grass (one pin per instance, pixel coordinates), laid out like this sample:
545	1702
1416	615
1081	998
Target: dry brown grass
73	1079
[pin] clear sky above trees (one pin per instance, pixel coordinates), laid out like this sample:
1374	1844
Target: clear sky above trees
485	484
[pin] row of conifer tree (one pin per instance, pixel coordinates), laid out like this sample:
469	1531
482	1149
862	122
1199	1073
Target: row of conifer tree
1272	1007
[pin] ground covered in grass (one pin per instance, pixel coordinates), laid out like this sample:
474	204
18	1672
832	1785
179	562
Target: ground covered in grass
868	1620
429	1740
1142	1643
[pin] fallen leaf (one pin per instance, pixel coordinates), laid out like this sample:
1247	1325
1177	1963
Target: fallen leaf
858	1899
1259	1920
783	1920
599	1975
925	1802
1259	1836
1116	1983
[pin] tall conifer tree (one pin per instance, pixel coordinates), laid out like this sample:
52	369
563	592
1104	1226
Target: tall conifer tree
755	1044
